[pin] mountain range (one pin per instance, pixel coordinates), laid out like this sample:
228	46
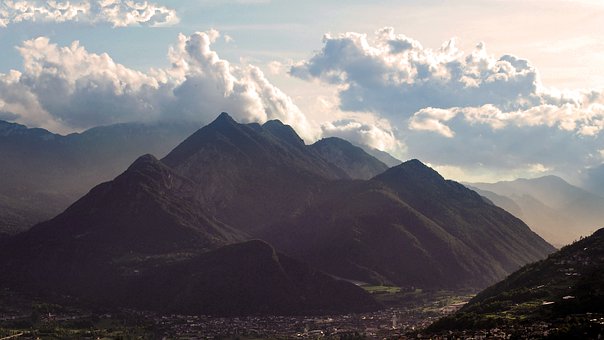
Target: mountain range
42	173
555	209
173	229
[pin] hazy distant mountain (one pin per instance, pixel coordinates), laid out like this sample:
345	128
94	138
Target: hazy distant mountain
352	159
555	209
142	240
42	173
410	227
594	180
501	201
382	156
569	282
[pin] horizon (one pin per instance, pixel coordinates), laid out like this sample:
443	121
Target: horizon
306	143
450	85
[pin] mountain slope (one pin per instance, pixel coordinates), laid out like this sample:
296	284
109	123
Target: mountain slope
568	282
247	278
143	216
557	210
410	227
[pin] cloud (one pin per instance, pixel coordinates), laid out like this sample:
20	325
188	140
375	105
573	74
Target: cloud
457	109
583	121
118	13
373	134
431	119
519	143
68	88
395	75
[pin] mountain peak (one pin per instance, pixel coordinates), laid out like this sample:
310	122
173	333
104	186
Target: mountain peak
283	132
352	159
223	119
413	168
415	163
142	161
224	115
337	140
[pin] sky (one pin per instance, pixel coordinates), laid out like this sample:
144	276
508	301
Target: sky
482	90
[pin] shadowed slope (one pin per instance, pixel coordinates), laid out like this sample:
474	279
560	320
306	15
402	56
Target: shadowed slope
409	226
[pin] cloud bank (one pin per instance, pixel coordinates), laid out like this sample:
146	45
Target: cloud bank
68	88
118	13
461	109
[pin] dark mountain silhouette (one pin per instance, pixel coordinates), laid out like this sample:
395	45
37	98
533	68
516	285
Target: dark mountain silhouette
259	173
142	240
410	227
42	173
247	278
569	282
352	159
556	210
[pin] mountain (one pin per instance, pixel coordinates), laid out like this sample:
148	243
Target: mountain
555	209
410	227
143	241
568	283
352	159
42	173
251	172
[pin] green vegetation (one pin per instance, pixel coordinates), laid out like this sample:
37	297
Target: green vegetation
382	289
567	288
422	300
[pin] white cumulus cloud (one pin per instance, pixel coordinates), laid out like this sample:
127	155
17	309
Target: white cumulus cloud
67	88
118	13
373	134
461	110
